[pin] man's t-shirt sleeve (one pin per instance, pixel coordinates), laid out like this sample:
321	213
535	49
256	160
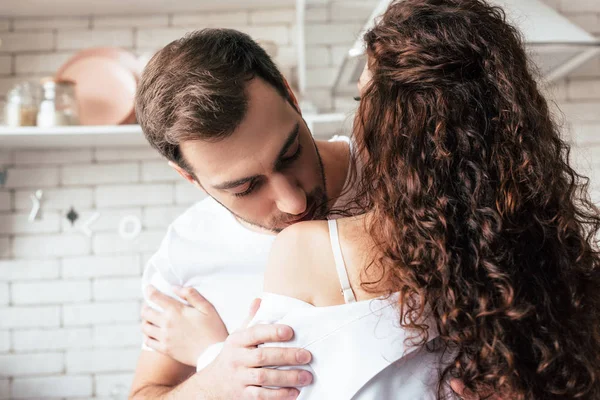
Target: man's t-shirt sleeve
159	273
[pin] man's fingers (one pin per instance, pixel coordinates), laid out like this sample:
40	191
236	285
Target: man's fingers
278	377
260	334
160	299
194	298
255	392
151	331
276	356
154	344
152	316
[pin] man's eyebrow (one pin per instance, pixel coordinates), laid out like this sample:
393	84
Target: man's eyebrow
236	183
288	143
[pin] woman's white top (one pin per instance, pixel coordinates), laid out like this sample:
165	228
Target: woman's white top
359	351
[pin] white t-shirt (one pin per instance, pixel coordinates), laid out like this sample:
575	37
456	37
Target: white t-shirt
207	248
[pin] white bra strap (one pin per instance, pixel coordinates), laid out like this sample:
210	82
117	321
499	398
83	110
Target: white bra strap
340	266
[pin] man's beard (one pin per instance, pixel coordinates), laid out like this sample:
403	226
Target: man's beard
316	204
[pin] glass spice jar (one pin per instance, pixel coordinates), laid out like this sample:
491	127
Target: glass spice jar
59	104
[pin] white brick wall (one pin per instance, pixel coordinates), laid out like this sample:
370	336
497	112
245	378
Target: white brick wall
103	360
59	386
133	195
29	317
112	336
51	339
20	270
81	39
69	304
4	341
100	266
57	292
97	174
100	313
31	364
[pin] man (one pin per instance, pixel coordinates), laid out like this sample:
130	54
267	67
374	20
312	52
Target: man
215	105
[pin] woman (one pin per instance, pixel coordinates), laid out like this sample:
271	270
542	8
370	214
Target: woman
474	241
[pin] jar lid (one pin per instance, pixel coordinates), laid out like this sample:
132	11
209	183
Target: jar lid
50	81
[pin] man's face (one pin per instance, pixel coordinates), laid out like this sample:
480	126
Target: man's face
268	172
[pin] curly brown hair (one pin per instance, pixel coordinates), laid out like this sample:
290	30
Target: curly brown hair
476	210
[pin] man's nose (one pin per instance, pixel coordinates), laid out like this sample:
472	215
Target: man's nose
290	198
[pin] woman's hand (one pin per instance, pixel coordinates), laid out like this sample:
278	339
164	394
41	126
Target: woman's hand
181	331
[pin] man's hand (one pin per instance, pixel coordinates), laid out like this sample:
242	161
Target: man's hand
181	331
236	373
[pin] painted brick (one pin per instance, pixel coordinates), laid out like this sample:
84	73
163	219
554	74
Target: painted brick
32	177
102	360
80	39
57	199
23	270
158	37
44	23
5	201
4	389
117	335
126	154
37	157
210	19
138	21
584	90
571	6
279	34
161	217
31	364
330	34
188	194
352	10
5	249
321	77
117	288
273	17
318	56
19	223
26	41
99	266
133	195
55	386
108	220
4	294
577	112
26	293
586	134
4	341
111	243
6	157
51	339
158	171
100	313
100	174
5	65
50	246
315	13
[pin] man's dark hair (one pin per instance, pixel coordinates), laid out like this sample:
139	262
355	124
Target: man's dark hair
194	88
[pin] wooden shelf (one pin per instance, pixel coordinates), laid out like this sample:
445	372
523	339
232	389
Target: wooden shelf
72	137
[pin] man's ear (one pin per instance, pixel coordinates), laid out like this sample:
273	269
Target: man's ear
186	175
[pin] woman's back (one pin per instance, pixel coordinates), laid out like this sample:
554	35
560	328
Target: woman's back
360	351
